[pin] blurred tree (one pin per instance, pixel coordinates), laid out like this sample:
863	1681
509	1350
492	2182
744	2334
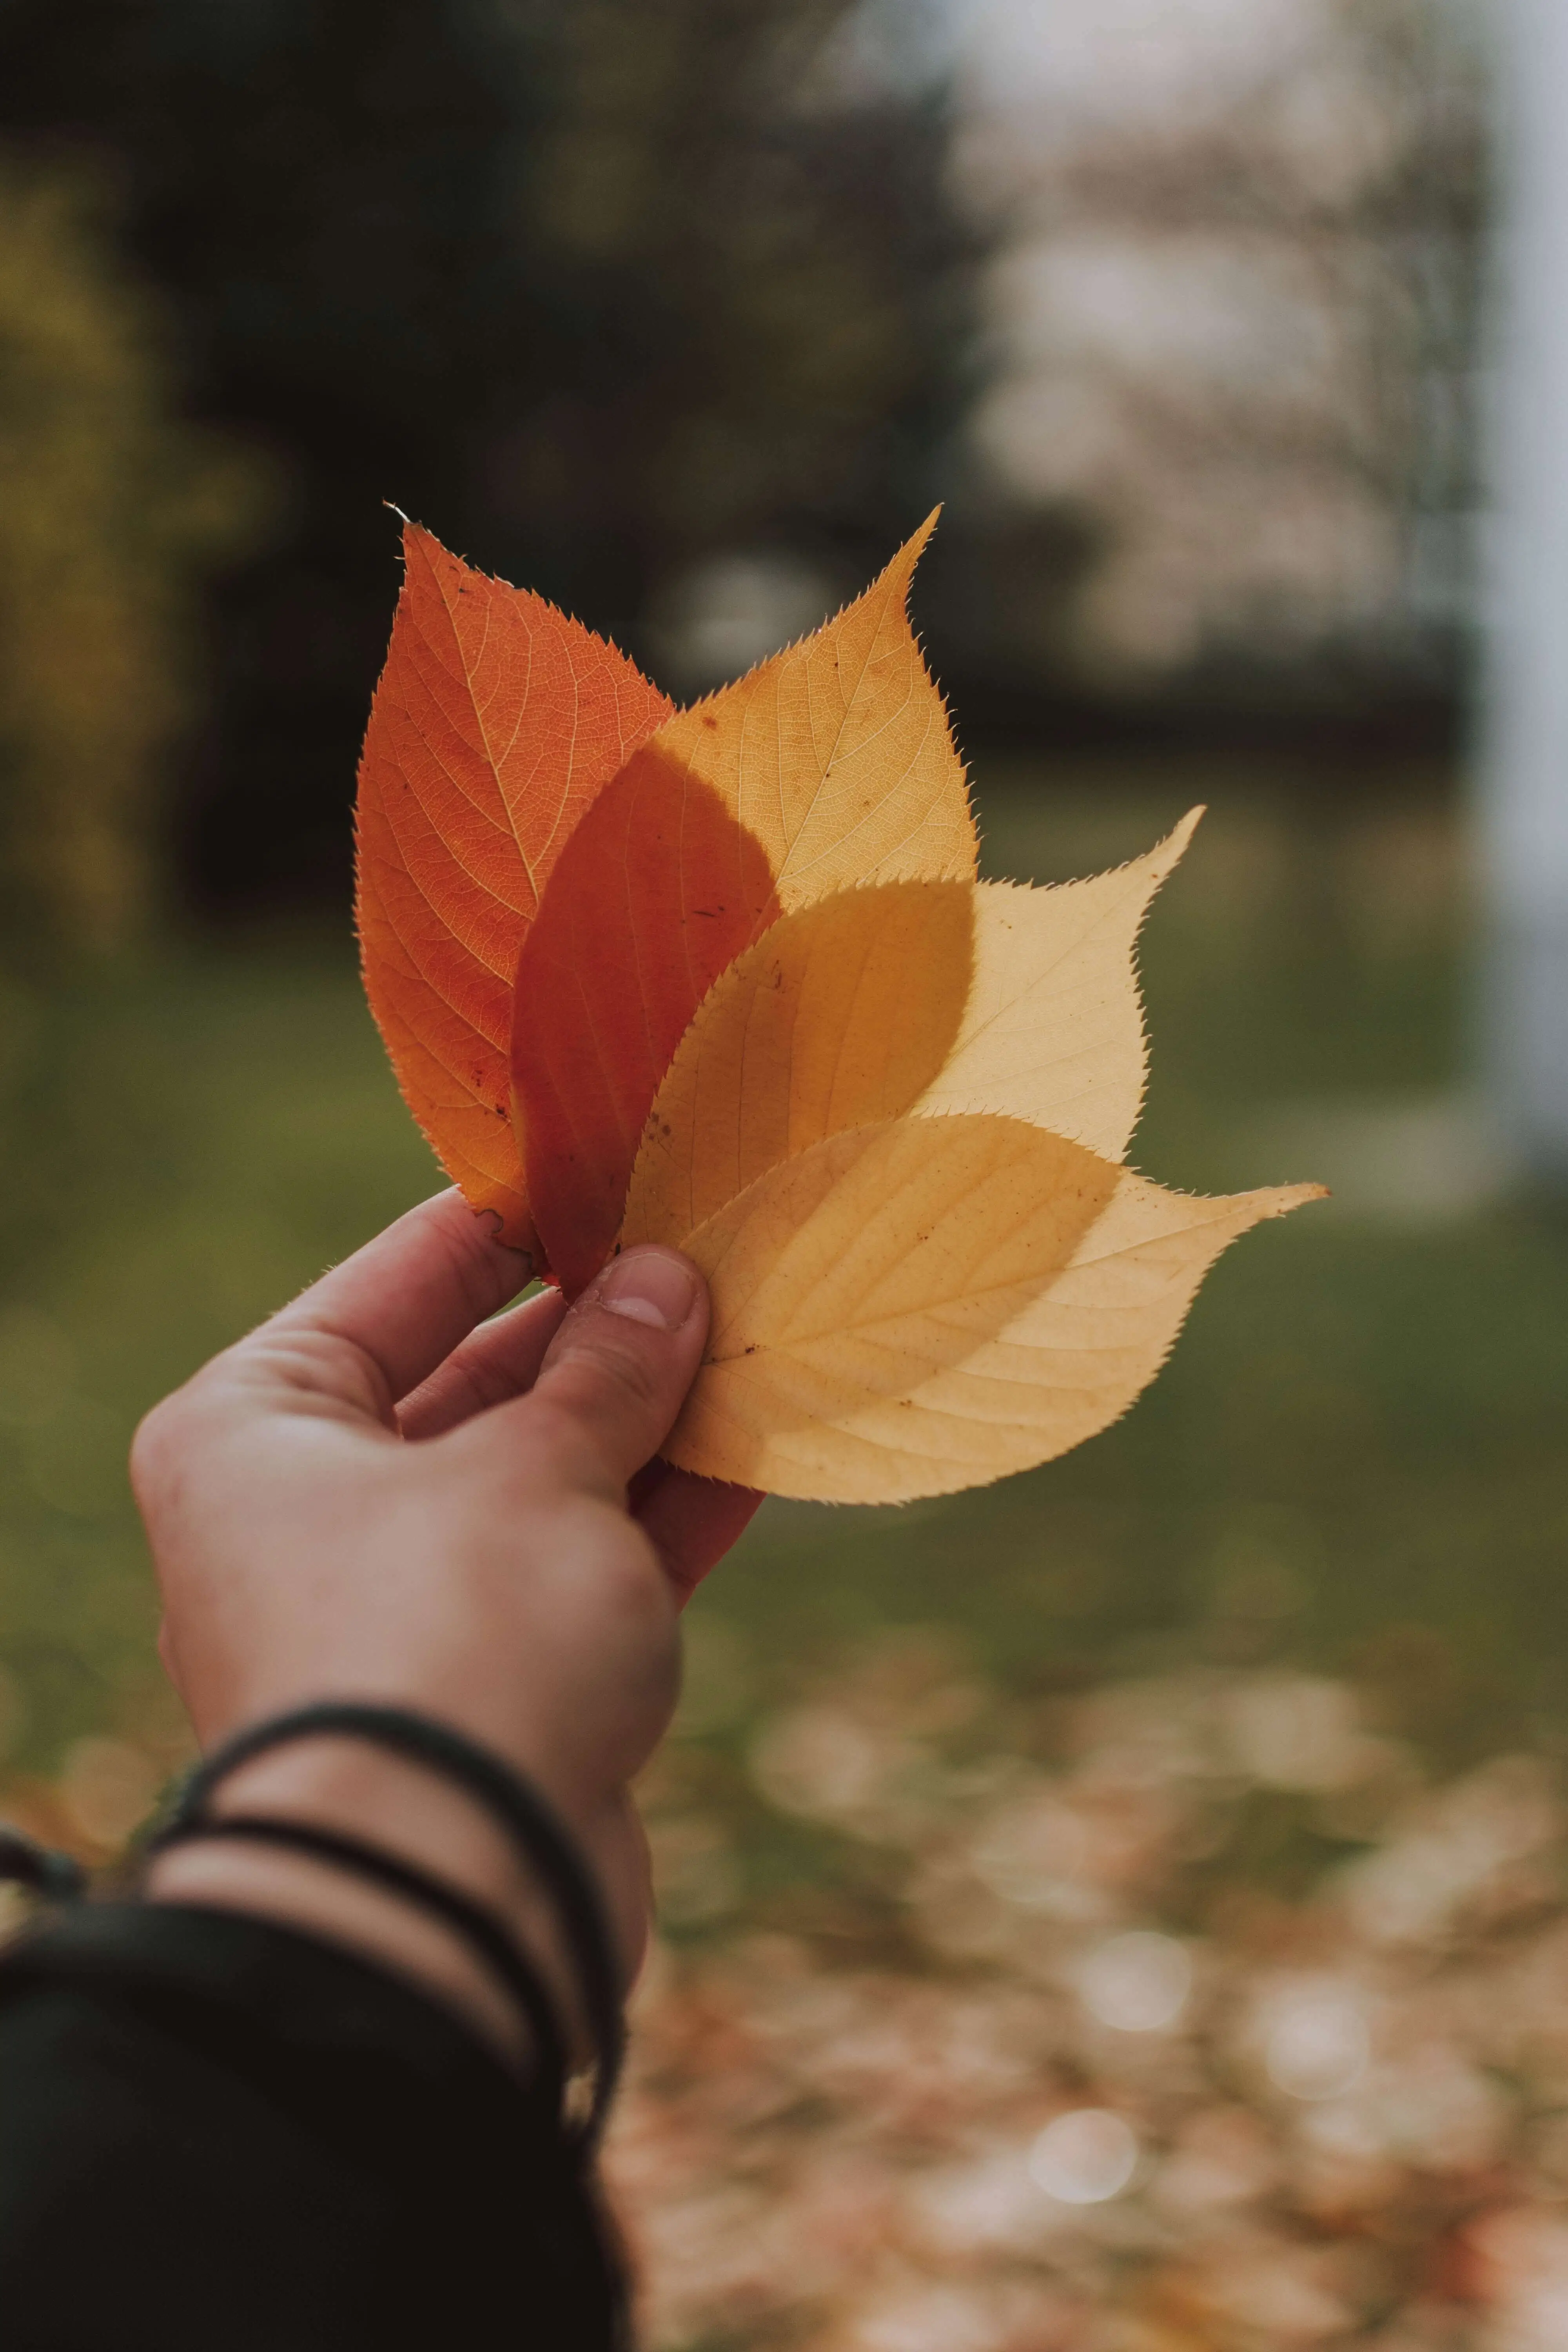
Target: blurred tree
772	279
592	290
107	509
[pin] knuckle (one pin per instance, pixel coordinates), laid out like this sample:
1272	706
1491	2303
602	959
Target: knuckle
462	1240
312	1361
595	1395
548	1426
624	1374
169	1438
155	1446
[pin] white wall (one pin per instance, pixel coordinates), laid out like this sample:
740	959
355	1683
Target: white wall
1525	798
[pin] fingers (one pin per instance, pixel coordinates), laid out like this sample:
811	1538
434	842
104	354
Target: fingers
618	1369
406	1300
691	1522
495	1363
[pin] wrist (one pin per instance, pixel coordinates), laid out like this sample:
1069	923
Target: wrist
401	1807
292	1890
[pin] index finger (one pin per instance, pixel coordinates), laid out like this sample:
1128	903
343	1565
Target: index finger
406	1298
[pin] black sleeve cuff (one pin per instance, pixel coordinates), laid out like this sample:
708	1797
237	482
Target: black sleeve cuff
215	2131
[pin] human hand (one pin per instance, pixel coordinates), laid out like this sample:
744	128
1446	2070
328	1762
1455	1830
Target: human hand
378	1493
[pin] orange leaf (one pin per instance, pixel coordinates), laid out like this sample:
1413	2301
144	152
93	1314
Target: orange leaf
837	753
496	722
828	766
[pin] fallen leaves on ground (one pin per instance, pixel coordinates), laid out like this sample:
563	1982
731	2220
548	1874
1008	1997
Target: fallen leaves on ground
1184	2013
1077	2077
725	978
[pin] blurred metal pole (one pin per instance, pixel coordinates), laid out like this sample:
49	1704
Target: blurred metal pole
1525	798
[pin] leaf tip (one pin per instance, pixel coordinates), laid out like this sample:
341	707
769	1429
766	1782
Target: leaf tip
900	571
418	541
1181	833
1167	855
1281	1199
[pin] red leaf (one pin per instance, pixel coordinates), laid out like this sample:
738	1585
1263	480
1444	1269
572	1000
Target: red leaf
660	888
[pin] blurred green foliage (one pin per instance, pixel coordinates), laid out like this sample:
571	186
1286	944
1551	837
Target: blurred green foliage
109	507
182	1143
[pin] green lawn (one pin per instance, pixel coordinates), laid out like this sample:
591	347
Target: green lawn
1358	1453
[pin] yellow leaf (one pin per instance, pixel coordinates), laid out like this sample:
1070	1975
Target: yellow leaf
842	1014
835	754
926	1304
932	995
1053	1031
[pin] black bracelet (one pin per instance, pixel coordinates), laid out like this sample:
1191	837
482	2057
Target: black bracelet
473	1921
543	1845
57	1877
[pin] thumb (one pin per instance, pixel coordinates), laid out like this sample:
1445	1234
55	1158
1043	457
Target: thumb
617	1371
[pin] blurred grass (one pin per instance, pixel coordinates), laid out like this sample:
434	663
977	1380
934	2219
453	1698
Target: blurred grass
1356	1456
182	1145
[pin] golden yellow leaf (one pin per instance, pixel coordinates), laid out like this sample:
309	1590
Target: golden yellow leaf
835	754
931	995
842	1014
1053	1029
925	1304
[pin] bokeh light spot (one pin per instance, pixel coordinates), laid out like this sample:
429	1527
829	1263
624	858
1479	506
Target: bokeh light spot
1084	2156
1137	1982
1317	2044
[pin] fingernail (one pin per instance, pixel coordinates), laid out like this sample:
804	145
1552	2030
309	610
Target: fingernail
649	1286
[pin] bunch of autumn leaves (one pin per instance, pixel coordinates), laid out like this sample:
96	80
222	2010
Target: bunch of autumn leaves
725	978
